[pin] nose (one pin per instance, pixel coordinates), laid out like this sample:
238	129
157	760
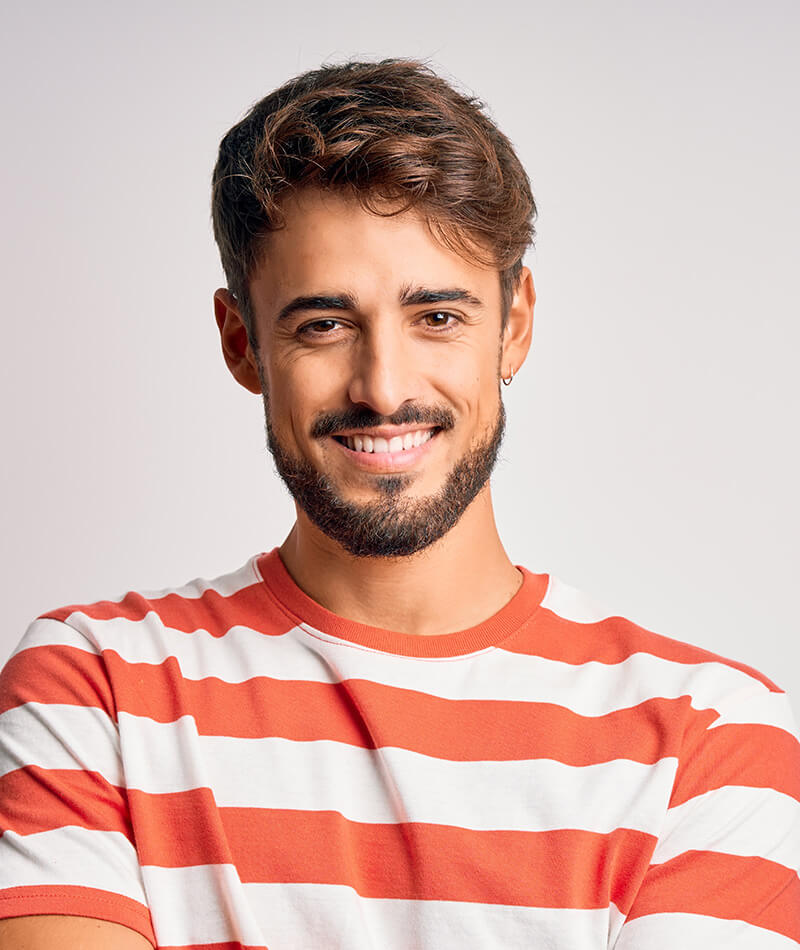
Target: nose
383	373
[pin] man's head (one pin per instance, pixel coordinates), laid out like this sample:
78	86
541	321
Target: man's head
371	222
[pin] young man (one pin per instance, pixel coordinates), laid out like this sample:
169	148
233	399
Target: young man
383	734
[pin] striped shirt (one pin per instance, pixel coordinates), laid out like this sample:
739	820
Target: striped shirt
228	765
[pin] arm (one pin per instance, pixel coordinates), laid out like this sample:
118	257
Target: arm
67	850
82	933
725	869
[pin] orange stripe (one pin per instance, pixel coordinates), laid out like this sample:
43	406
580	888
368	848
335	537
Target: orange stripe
56	674
749	754
611	641
210	611
180	829
406	860
728	886
458	730
370	715
34	800
78	902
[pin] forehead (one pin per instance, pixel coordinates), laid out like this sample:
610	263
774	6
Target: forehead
330	243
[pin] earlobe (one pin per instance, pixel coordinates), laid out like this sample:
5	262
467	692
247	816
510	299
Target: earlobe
236	349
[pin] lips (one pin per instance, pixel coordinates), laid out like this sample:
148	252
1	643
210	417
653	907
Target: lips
384	454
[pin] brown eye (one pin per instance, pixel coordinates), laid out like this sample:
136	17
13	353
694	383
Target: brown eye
438	320
319	326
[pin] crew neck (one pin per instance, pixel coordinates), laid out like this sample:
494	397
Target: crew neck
307	612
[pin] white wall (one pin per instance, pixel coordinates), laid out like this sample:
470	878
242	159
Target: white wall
652	453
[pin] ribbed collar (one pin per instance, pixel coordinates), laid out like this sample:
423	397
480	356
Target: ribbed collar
298	605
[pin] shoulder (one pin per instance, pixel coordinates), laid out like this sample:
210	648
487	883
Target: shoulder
578	629
83	643
197	602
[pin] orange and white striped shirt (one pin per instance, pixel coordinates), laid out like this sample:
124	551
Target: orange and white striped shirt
227	765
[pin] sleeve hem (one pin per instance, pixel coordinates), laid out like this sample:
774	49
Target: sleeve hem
77	902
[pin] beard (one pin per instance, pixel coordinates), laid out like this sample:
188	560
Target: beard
393	525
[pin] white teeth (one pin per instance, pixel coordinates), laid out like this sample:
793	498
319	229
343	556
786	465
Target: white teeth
398	443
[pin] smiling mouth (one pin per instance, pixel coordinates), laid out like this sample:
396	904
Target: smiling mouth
377	445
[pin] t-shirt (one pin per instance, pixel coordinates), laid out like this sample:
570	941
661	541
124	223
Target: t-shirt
228	765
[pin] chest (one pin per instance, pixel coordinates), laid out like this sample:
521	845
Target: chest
329	808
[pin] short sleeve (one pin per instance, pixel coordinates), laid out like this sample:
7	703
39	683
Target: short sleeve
66	843
724	872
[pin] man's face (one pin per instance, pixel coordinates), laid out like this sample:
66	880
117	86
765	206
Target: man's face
379	360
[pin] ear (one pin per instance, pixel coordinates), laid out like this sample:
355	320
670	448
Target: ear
519	326
236	348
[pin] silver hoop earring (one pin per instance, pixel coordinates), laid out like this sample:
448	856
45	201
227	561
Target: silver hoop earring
507	379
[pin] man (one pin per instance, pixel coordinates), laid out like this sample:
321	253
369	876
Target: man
383	734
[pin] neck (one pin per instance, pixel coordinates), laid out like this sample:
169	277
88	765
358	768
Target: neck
421	594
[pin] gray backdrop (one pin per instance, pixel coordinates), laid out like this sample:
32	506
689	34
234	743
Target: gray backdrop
652	450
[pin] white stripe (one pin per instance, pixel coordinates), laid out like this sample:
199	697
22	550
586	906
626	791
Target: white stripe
71	856
615	921
589	689
748	704
225	585
58	736
46	632
393	784
572	604
207	904
750	822
693	932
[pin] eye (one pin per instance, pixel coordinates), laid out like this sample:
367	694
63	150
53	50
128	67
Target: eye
440	320
318	327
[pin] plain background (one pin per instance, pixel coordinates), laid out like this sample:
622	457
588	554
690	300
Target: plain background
651	456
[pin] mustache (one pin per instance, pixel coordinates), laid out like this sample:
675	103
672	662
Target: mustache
327	423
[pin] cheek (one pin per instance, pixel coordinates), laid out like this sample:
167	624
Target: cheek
471	384
298	392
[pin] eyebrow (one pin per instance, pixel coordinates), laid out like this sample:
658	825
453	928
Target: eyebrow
412	296
318	302
409	297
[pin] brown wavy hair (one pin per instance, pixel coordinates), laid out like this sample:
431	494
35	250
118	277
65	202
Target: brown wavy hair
393	134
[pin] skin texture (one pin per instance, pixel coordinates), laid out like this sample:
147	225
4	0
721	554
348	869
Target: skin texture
77	933
381	355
